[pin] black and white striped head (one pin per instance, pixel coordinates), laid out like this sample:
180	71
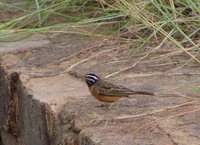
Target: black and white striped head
91	79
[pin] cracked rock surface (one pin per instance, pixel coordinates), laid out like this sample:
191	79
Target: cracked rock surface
47	103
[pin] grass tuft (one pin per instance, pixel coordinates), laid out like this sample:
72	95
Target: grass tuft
148	22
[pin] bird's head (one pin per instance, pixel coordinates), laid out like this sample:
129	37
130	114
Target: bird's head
91	79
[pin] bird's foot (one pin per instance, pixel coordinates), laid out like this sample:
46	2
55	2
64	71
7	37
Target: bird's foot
106	105
103	105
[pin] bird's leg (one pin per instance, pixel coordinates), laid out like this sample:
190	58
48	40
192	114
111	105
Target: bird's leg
110	105
103	105
106	105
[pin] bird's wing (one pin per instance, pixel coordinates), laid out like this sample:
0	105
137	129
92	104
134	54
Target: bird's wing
110	89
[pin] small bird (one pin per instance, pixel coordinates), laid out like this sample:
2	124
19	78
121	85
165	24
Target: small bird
106	91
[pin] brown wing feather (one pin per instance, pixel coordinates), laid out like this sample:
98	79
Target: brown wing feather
110	89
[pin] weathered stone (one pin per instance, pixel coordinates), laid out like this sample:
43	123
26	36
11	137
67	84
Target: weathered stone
50	105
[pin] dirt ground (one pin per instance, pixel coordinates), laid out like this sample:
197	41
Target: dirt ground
54	69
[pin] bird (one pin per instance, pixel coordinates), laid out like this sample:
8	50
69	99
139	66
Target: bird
109	92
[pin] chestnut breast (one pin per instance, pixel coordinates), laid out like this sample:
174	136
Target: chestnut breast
96	93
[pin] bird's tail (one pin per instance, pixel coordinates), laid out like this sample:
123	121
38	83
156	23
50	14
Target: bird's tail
143	93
